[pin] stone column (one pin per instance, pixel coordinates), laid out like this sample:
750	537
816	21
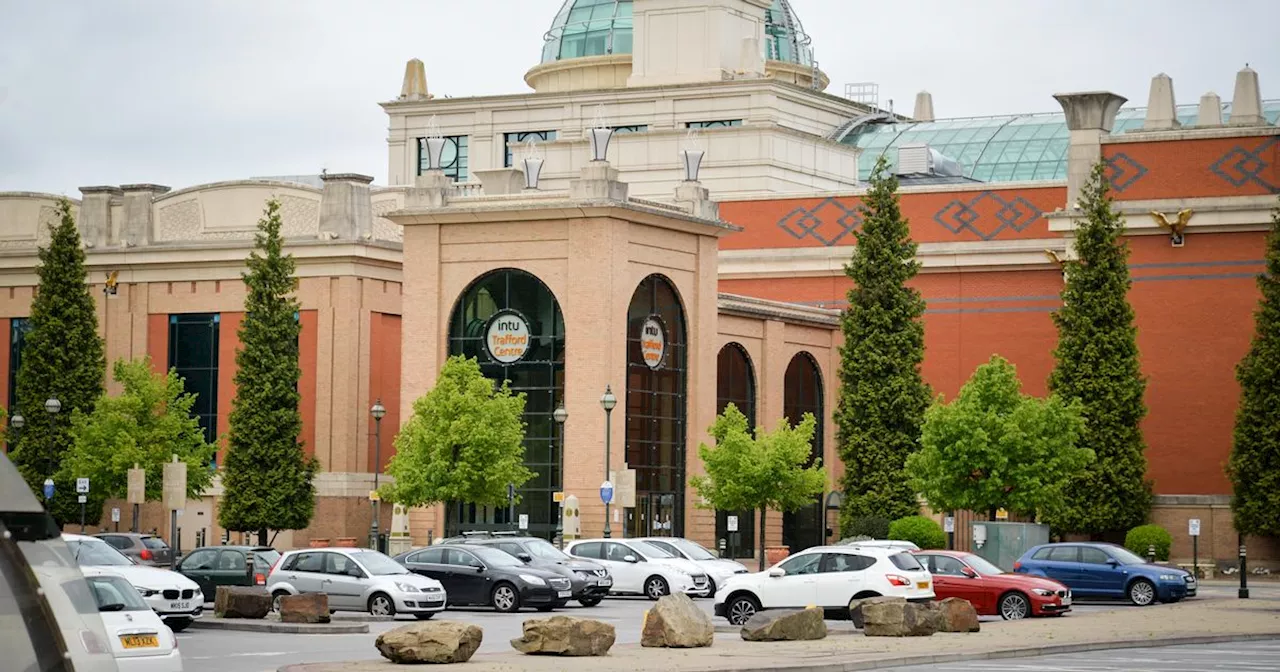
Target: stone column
1210	113
598	181
1162	109
95	214
138	227
1090	115
697	200
1246	101
430	190
346	211
924	107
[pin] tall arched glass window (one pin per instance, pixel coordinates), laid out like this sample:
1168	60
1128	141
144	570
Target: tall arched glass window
802	393
515	300
656	357
736	384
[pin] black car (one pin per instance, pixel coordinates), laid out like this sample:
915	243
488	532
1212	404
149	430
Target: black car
590	581
479	575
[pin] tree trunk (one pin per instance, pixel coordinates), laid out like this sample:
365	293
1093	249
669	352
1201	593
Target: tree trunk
762	511
262	537
991	514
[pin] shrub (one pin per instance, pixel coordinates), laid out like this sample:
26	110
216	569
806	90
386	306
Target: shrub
921	531
1143	536
873	527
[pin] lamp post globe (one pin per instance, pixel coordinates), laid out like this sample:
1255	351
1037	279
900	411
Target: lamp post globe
608	401
52	405
17	421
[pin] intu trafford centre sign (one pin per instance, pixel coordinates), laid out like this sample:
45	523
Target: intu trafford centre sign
507	337
653	342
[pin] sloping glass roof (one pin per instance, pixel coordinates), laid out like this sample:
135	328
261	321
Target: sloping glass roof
1009	148
598	27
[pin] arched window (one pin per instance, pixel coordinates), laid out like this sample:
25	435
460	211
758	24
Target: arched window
656	357
802	393
517	298
736	384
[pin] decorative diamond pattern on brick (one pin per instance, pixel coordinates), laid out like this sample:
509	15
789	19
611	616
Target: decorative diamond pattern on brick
828	222
987	215
1240	166
1122	171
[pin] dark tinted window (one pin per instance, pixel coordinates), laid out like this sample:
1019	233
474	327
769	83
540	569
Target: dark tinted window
193	353
906	562
1063	554
202	559
587	550
1042	554
231	560
1093	556
618	552
943	564
310	562
434	556
510	547
847	562
154	543
337	563
461	558
118	542
802	564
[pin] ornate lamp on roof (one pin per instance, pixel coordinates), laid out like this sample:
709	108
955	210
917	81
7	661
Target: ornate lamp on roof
532	164
434	143
692	154
599	134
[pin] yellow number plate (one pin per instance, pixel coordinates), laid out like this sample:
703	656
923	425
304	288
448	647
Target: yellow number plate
139	641
922	584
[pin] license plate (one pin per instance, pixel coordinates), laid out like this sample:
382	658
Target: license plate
606	582
180	606
139	641
922	584
1066	601
565	593
434	597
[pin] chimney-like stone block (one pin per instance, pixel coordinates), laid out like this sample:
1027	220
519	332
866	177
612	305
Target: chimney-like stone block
1090	115
1246	102
138	227
95	214
346	208
598	182
414	87
1162	112
924	107
500	181
697	200
1210	112
430	190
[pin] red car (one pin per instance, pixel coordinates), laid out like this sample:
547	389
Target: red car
991	590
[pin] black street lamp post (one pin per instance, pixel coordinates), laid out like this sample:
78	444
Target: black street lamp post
51	406
607	402
560	415
1243	593
377	411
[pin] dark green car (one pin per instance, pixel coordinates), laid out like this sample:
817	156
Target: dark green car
213	566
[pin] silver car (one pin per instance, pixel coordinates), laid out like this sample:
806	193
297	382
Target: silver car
356	579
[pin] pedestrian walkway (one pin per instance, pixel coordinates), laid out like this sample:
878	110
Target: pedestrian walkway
1233	657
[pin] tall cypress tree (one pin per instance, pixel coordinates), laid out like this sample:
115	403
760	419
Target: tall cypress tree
63	359
268	477
1097	363
1254	467
883	397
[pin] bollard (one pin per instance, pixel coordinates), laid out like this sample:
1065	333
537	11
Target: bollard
1151	554
1244	574
248	569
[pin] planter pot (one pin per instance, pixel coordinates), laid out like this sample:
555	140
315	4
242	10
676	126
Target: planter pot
319	543
774	554
346	542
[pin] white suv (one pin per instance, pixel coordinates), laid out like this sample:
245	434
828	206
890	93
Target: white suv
174	597
826	576
640	568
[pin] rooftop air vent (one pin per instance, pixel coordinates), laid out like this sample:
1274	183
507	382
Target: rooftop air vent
921	159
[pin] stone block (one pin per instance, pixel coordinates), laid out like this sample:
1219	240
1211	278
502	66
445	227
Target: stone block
958	615
785	625
241	602
899	619
431	642
565	636
856	607
304	608
676	622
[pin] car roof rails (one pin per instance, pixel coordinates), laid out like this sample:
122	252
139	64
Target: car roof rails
507	533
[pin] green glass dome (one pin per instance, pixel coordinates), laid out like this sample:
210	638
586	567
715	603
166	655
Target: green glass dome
598	27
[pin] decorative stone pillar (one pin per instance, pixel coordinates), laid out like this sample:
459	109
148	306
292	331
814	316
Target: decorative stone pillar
1162	109
138	227
924	107
1210	113
95	214
598	182
1090	115
346	210
1246	102
697	200
430	190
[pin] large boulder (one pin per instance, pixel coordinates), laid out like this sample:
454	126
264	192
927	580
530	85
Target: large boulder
676	622
785	625
565	636
431	642
241	602
958	615
304	608
856	607
899	619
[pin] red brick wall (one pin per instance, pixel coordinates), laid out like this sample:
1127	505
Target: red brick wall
384	382
307	340
1242	166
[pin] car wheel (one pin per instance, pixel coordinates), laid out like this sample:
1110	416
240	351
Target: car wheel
655	587
589	601
275	599
505	598
381	605
1014	607
740	609
178	624
425	617
1142	592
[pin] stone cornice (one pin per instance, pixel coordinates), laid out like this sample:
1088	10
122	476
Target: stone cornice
1222	214
39	195
748	306
933	257
1191	133
520	208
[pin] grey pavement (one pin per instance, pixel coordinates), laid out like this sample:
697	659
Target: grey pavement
1235	656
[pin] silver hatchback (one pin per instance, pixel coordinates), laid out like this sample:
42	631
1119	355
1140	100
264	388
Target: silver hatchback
356	579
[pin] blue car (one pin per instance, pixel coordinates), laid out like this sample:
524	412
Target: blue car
1106	570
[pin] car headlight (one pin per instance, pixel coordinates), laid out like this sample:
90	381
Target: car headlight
1042	592
533	580
407	588
1170	577
146	592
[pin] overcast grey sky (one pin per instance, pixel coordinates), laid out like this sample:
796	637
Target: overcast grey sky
180	92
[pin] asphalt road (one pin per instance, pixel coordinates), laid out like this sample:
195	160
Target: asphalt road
1235	656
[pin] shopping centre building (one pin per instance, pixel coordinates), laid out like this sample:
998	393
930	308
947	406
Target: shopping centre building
666	215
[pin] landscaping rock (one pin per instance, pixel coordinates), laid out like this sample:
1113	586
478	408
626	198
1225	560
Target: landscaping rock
241	602
899	619
565	636
785	625
856	606
431	642
304	608
958	615
676	622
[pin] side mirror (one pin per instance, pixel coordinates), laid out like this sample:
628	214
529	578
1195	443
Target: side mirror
777	572
968	571
478	568
631	558
524	557
1113	562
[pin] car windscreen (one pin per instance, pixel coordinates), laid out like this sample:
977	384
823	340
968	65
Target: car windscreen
95	552
982	566
906	562
494	557
154	543
694	551
114	593
1125	556
649	550
539	548
378	564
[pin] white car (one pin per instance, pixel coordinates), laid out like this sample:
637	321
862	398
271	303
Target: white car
640	568
358	579
826	576
882	543
718	569
174	597
140	641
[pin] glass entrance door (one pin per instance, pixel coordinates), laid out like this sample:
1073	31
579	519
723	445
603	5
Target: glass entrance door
654	515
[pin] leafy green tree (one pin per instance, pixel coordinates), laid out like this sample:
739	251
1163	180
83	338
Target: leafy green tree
882	396
268	477
1254	467
1097	363
63	359
768	471
146	425
994	447
464	442
923	532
